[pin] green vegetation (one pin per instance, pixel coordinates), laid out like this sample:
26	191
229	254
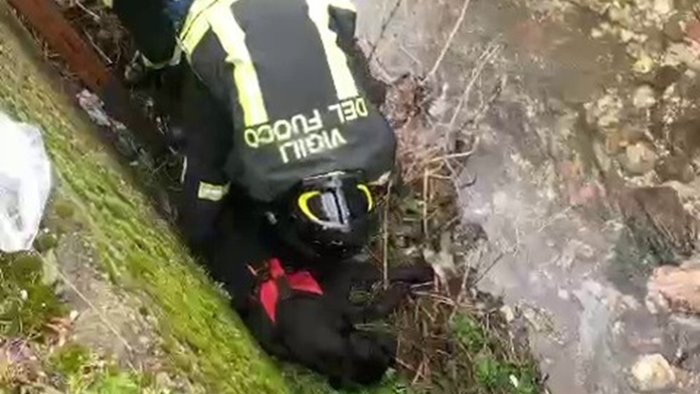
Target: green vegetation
491	371
83	372
26	303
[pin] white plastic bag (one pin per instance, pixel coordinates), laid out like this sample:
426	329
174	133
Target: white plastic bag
25	184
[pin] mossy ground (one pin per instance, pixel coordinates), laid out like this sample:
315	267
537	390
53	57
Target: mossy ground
203	339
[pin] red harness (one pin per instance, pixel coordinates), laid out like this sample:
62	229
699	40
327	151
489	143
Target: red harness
277	281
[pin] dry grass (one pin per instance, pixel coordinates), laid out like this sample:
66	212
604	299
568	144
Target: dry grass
453	338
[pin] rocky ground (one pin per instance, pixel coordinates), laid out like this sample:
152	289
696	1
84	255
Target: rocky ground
585	116
101	333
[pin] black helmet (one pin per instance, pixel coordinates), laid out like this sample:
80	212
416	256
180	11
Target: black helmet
328	215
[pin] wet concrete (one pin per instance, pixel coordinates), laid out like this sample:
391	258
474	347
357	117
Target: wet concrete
546	89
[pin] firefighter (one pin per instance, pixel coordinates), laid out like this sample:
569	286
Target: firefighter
274	107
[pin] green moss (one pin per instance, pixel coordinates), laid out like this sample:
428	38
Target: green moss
63	209
501	377
483	360
26	303
469	333
45	242
119	383
78	370
70	360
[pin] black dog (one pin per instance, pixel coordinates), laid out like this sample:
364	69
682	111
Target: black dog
301	312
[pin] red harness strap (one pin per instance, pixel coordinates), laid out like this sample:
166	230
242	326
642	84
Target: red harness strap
301	281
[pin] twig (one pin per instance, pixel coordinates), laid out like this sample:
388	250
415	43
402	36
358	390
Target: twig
383	29
404	364
486	104
93	15
488	269
419	371
99	50
437	297
451	37
426	197
553	219
102	317
411	56
452	156
486	56
385	237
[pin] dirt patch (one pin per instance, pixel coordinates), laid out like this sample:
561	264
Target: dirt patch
99	326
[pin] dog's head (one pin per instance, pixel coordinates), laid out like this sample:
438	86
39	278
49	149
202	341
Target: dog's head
368	357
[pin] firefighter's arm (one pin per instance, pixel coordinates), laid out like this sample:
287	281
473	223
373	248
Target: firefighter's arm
344	14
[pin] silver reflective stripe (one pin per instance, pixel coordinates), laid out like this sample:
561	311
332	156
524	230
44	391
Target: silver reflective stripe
184	170
210	192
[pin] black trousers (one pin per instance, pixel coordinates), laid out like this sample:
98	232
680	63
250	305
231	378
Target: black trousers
207	130
208	133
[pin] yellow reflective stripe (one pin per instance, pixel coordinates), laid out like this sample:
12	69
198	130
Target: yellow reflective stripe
368	194
195	27
190	41
344	4
304	205
194	14
211	192
343	79
232	39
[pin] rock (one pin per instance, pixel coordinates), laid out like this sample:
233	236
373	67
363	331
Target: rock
676	288
693	31
644	97
639	158
564	295
658	222
652	373
675	168
673	29
666	76
508	313
663	7
685	137
644	64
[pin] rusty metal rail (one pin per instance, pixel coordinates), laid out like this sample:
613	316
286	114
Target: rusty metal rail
45	17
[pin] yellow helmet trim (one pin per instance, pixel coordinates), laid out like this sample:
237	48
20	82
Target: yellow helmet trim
368	194
303	202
